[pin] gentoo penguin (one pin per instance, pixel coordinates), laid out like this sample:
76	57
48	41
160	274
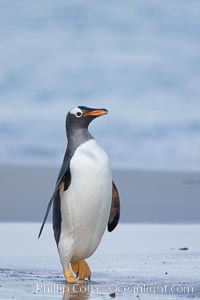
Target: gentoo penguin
85	199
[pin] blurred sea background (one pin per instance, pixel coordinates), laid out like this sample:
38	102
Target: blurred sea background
139	59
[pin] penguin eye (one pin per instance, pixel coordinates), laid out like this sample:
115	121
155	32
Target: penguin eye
79	114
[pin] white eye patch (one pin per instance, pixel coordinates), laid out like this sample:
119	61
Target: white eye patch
77	112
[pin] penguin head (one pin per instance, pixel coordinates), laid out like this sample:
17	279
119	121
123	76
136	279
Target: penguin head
81	116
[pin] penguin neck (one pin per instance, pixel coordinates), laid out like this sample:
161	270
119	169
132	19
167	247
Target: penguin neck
76	137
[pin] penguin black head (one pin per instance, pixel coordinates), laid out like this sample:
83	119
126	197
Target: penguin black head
81	116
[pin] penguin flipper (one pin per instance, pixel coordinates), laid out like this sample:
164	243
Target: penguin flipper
64	175
46	215
115	209
57	218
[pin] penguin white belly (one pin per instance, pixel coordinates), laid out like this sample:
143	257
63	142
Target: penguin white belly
85	205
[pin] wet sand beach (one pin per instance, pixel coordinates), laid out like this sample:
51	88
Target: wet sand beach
134	262
146	195
139	260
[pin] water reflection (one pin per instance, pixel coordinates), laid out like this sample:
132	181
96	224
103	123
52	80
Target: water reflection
77	291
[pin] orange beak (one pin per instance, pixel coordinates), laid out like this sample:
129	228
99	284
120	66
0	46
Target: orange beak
96	113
